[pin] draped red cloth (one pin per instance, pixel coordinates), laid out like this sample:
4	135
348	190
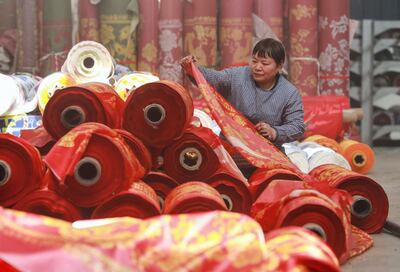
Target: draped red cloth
88	102
271	11
89	25
39	138
92	162
193	196
140	201
303	33
148	36
334	47
370	203
21	169
239	131
170	25
158	112
235	32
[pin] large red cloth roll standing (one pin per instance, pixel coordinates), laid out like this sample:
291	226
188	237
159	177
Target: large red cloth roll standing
158	112
235	32
303	33
198	155
194	196
334	48
140	201
92	162
370	205
8	18
170	40
148	36
271	11
89	25
88	102
21	169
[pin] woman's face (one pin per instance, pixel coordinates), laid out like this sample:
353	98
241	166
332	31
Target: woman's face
264	69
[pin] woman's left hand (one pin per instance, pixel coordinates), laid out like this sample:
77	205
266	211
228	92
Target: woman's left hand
266	131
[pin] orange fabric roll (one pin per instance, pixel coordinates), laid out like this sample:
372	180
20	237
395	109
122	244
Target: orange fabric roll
89	102
158	112
370	205
325	141
21	169
92	162
194	196
140	201
360	156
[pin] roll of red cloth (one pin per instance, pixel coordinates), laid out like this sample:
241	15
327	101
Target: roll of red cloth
39	138
198	155
140	201
194	196
138	148
158	112
88	102
370	205
6	267
92	162
21	169
261	178
235	192
161	183
289	203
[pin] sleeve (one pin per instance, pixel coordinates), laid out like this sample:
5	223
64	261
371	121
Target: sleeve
220	80
293	125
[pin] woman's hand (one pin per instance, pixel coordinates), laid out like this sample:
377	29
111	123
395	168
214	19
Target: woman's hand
266	131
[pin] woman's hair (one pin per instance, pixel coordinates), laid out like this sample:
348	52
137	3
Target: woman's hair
270	48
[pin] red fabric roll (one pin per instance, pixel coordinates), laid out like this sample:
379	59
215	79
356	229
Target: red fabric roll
235	192
8	18
89	24
198	155
39	138
271	11
148	36
138	148
158	112
6	267
92	162
370	203
140	201
235	32
261	178
194	196
170	39
334	48
21	169
88	102
303	33
291	203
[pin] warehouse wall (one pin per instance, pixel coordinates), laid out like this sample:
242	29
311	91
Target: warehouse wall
375	9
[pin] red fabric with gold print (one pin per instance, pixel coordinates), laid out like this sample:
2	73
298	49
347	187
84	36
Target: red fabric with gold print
370	203
21	169
193	196
140	201
92	162
89	24
88	102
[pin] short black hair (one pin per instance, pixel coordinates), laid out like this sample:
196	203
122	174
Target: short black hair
270	48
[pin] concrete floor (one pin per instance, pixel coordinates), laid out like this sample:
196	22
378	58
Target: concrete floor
385	254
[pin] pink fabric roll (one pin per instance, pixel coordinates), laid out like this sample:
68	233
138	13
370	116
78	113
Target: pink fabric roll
271	11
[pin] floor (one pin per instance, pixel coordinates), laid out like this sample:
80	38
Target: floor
385	254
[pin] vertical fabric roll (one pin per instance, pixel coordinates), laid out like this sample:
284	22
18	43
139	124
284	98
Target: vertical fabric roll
303	33
7	15
194	196
170	39
21	169
235	32
360	156
158	112
56	38
89	25
118	23
370	203
147	42
27	36
92	162
271	11
88	102
140	201
334	48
